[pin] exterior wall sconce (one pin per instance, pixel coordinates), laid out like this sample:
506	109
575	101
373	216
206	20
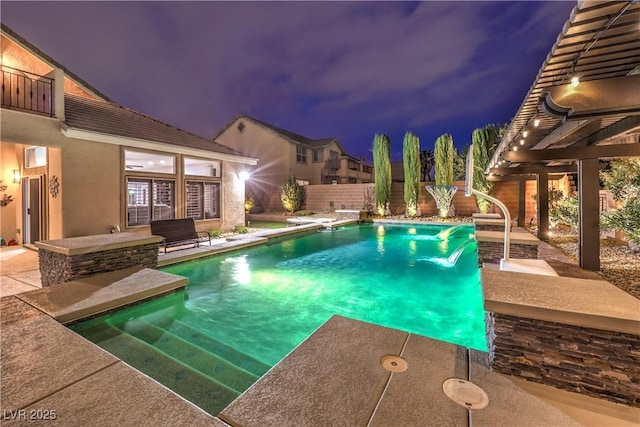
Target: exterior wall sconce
244	175
15	176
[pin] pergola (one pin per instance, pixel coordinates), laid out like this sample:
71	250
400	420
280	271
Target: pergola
583	107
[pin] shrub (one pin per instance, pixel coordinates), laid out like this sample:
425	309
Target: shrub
241	229
305	213
622	178
249	203
565	210
293	195
214	233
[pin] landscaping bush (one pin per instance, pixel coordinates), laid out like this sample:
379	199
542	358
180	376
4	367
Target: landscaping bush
622	178
241	229
293	195
249	203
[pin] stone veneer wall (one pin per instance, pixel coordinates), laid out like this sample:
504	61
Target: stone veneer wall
490	227
58	268
492	252
599	363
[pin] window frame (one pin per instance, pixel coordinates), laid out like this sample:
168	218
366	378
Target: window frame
301	154
202	214
151	202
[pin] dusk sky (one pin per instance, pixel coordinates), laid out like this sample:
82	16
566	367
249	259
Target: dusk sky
320	69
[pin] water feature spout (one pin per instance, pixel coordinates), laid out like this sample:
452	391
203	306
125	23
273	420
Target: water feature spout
453	258
444	234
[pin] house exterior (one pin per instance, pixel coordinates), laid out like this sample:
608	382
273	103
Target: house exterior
76	163
283	153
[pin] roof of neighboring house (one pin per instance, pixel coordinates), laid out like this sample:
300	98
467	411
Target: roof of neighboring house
112	119
291	136
43	56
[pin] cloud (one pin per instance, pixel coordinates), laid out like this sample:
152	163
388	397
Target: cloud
345	69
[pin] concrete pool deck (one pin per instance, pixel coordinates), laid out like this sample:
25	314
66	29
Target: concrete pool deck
45	366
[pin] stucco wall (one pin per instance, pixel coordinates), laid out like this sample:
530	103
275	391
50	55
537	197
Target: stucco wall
232	197
90	186
8	224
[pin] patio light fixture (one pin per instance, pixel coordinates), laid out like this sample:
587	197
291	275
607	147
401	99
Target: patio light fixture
244	175
575	81
15	176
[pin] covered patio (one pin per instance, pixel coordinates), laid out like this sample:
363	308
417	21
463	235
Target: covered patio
582	108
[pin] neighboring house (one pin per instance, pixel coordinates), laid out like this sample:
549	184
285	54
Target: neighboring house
283	154
76	163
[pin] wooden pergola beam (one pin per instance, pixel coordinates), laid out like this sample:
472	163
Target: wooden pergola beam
574	153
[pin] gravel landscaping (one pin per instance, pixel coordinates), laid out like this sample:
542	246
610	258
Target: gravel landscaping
618	264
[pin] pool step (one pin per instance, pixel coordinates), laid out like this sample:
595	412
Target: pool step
205	392
190	354
206	342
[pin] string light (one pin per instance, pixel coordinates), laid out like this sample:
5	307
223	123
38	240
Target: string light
525	133
536	122
575	81
522	142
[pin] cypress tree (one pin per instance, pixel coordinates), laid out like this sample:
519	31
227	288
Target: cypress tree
484	141
444	154
411	164
382	172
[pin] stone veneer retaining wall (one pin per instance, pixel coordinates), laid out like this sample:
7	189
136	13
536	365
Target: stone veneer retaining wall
595	362
492	252
58	268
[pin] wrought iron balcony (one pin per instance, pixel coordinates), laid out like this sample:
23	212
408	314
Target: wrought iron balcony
27	91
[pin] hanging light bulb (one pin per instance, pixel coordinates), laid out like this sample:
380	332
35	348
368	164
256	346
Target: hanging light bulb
522	142
525	133
515	148
575	81
536	122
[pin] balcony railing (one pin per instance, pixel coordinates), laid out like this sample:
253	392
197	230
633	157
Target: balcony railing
332	164
23	90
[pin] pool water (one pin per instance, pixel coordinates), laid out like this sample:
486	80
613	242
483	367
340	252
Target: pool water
242	312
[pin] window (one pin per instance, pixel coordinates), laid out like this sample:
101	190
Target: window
203	200
35	157
301	154
352	165
367	169
318	155
302	182
138	161
149	200
201	167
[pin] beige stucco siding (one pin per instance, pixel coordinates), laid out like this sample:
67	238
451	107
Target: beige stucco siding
90	184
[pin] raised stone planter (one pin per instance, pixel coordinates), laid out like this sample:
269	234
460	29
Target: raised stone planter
491	246
352	214
73	258
574	334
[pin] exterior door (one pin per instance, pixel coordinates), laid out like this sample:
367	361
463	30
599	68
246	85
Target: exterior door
31	208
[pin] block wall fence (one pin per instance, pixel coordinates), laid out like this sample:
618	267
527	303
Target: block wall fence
325	198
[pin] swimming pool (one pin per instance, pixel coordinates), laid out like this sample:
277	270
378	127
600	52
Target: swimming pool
244	311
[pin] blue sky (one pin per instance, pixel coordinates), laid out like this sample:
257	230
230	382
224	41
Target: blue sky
321	69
